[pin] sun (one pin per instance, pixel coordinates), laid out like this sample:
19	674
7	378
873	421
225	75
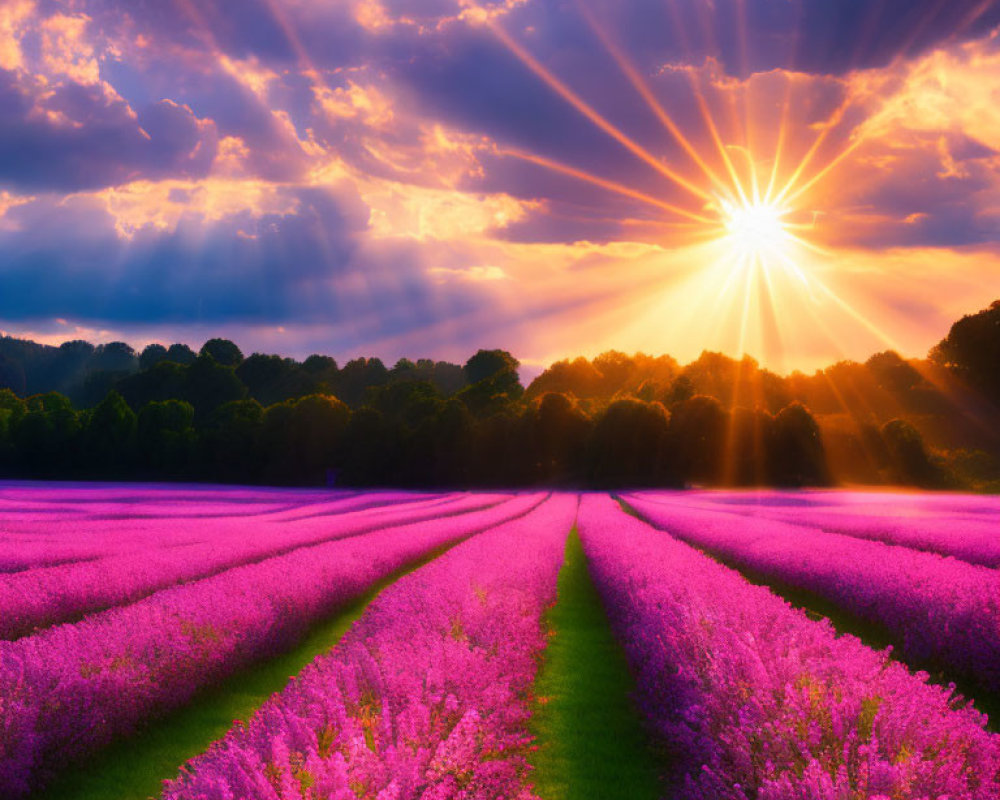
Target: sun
755	229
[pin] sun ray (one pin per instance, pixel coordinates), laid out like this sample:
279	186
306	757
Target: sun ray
605	184
786	104
713	132
779	144
922	23
589	112
827	127
702	104
640	85
295	41
835	119
749	268
748	129
971	17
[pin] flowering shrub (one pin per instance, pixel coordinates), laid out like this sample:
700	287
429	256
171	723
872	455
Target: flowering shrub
941	613
752	699
425	697
35	598
71	689
963	527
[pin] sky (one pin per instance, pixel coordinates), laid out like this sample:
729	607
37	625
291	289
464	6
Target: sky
797	180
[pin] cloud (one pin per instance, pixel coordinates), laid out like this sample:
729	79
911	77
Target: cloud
70	136
392	174
68	258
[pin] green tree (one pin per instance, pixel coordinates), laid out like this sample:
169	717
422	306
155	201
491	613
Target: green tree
629	446
698	431
909	461
232	442
181	354
797	454
46	439
208	384
223	351
166	438
109	438
561	433
972	351
152	355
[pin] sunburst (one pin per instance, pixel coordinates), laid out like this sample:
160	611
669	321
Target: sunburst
756	229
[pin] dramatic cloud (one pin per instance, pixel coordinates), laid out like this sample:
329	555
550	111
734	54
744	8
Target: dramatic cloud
420	177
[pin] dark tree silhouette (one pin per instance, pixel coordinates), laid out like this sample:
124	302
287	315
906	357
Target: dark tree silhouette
370	450
972	350
749	446
12	375
109	436
316	364
181	354
493	382
223	351
697	433
356	376
208	384
561	432
12	409
46	440
630	444
796	449
577	377
619	419
232	442
909	461
152	355
163	381
166	440
272	379
487	364
303	437
114	357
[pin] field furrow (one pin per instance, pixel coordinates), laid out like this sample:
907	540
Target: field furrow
590	739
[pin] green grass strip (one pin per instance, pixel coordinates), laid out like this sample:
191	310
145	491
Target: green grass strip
590	739
136	768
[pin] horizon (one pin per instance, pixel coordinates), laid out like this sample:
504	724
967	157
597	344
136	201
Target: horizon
383	177
527	370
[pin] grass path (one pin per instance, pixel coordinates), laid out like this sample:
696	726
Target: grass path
135	769
591	742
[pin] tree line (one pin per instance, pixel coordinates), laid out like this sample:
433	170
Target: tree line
615	420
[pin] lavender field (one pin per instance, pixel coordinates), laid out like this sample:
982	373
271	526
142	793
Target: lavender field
809	645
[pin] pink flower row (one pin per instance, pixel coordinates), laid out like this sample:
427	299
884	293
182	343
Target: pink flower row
970	535
426	696
36	539
941	613
752	699
70	690
36	598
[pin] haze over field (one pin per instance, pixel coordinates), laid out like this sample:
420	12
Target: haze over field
800	181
